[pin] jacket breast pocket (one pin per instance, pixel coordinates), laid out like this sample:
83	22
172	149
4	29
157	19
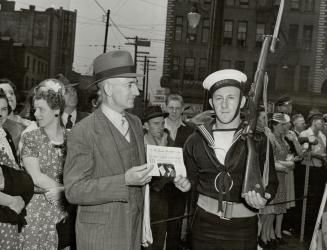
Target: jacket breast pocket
93	217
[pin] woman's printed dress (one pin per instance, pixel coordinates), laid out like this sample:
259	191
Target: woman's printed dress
42	216
281	149
9	236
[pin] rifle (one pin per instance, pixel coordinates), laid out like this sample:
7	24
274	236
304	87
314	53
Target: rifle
253	179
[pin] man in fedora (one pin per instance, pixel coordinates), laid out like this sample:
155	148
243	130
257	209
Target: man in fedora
105	172
71	115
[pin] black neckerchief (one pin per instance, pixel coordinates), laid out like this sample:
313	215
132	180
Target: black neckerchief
223	182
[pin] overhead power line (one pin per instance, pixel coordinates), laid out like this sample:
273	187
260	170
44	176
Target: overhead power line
154	4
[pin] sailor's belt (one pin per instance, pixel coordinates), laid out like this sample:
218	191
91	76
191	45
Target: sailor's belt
229	209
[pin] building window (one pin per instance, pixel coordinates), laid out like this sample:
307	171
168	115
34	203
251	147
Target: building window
228	32
307	37
38	67
295	4
309	5
175	67
241	33
34	64
261	29
178	28
289	74
202	68
244	3
240	65
26	83
27	62
189	67
205	30
226	64
293	35
304	78
230	3
261	4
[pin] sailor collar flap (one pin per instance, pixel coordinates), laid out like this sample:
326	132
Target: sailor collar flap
207	133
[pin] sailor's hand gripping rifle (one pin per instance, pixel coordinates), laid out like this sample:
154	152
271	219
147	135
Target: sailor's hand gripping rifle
253	178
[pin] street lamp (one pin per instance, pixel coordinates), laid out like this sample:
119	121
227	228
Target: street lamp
215	36
193	17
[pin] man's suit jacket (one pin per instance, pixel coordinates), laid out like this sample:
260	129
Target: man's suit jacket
80	116
15	129
94	179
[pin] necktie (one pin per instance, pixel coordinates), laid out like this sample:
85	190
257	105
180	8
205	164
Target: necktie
69	123
124	127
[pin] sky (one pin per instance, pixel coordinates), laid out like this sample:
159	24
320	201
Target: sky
129	18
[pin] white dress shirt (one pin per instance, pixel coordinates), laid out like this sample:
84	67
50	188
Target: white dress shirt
116	119
64	117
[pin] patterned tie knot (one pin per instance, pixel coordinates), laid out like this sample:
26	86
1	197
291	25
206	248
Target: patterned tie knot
69	123
124	125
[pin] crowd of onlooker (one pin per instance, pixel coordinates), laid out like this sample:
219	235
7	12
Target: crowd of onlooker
33	150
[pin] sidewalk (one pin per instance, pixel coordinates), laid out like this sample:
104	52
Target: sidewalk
293	242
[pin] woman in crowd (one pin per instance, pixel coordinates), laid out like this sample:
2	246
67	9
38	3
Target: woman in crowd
16	186
279	124
43	152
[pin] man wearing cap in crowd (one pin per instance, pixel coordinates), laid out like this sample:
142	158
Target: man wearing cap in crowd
105	172
215	158
156	134
71	115
154	124
284	105
318	173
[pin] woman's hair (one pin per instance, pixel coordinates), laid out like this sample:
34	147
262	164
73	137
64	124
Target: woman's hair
7	81
4	96
52	91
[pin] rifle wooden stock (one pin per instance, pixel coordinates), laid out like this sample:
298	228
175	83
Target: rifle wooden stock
253	178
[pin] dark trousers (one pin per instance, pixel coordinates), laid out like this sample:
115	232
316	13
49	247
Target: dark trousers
317	181
292	219
176	207
209	232
158	212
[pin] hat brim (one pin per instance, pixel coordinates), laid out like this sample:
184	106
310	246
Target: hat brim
71	84
125	75
154	115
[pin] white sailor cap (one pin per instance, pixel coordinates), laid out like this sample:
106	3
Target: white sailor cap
223	78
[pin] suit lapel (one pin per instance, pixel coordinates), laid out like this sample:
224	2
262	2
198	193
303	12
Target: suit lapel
138	137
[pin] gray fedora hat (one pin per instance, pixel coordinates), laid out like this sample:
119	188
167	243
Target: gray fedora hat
114	64
65	81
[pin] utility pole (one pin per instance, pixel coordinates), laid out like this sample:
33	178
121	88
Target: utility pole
138	41
135	51
147	83
144	73
106	34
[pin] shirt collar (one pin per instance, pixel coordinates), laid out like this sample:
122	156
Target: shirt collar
65	115
112	115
